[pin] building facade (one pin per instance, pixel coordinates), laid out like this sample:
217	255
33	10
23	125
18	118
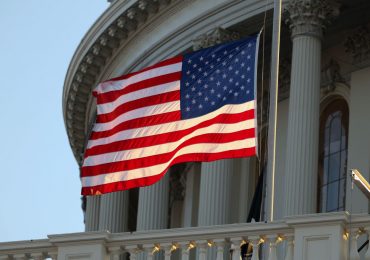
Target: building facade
322	131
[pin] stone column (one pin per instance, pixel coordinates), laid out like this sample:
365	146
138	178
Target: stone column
215	193
114	211
306	19
152	210
92	213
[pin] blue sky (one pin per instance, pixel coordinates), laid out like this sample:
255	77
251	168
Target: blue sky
40	187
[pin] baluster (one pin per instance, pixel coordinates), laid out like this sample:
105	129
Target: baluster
255	241
4	257
151	250
236	244
353	254
289	248
202	249
273	242
133	250
115	252
19	257
185	249
53	255
220	245
168	248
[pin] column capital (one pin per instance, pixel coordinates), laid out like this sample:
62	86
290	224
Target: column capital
216	36
309	17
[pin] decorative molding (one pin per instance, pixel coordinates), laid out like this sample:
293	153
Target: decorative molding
309	17
330	76
76	100
216	36
358	44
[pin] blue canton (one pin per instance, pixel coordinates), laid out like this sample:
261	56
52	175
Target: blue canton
216	76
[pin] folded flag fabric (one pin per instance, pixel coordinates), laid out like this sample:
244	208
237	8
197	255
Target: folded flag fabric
195	107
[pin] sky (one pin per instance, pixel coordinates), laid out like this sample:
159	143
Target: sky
40	185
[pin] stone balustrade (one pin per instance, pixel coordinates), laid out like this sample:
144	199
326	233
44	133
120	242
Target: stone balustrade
316	236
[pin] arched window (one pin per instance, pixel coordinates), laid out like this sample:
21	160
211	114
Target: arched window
333	156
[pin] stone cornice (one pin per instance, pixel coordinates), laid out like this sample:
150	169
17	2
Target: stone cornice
114	26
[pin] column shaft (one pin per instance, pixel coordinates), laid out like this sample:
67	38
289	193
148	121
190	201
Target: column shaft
303	127
92	213
114	211
153	205
215	190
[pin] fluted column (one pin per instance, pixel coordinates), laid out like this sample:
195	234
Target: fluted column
153	209
92	213
153	205
306	19
114	211
215	191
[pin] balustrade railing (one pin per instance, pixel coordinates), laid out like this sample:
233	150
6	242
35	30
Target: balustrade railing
318	236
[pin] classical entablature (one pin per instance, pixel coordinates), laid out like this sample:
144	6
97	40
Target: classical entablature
133	34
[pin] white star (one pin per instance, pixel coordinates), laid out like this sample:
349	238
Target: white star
218	59
206	99
207	62
200	69
242	87
187	108
224	63
224	87
248	57
225	52
224	76
199	93
236	83
187	84
195	65
193	76
193	101
205	86
231	80
189	61
224	98
236	94
248	91
218	83
230	56
248	80
248	68
243	64
218	95
237	48
205	74
193	89
230	91
187	96
243	52
249	44
200	106
218	71
230	67
213	103
199	81
213	55
237	72
236	60
242	76
211	78
212	66
212	91
201	58
188	72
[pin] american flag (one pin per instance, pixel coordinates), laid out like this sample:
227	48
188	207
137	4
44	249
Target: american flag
196	107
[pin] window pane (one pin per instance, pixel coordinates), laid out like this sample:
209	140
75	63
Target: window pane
332	201
334	167
326	169
323	198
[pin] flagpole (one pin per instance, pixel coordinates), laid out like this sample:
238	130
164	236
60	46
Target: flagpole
274	82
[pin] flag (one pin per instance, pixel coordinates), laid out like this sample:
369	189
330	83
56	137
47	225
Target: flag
195	107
